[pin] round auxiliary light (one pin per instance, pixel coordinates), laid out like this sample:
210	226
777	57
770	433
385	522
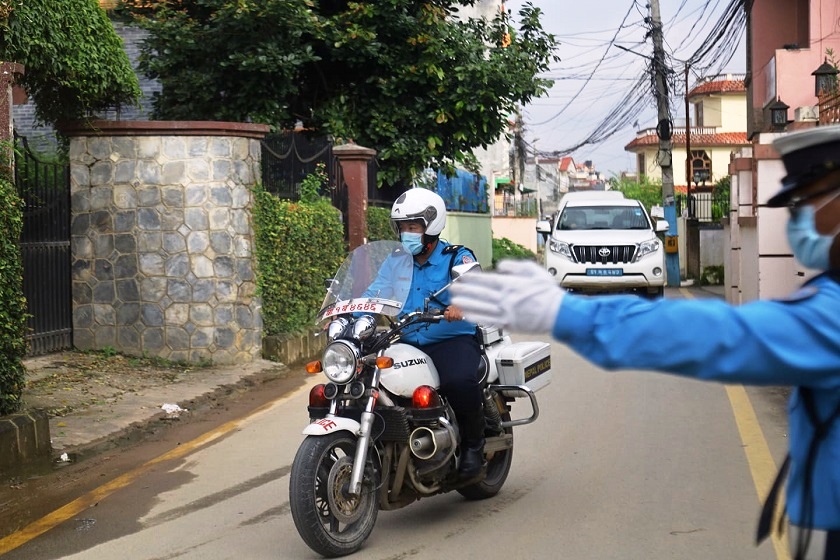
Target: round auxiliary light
657	271
364	327
341	361
336	327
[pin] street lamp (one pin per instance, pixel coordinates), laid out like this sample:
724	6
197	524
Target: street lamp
778	114
700	176
825	78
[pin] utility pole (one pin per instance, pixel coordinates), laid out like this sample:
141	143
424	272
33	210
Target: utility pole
664	157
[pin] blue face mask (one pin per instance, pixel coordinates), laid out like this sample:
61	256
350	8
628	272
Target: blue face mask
810	247
413	242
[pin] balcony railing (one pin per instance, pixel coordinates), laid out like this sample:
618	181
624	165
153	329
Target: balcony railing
830	108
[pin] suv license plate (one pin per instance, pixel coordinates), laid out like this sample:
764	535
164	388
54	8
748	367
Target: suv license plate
604	271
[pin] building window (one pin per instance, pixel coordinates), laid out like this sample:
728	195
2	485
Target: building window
640	165
701	167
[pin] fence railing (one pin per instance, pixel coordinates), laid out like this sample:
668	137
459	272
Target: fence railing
704	206
507	206
830	108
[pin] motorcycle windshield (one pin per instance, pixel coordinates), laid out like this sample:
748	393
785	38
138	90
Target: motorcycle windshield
374	278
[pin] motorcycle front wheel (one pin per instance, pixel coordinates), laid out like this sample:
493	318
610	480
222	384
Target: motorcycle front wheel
331	522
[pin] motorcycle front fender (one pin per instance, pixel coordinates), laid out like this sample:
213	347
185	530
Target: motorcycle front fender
332	424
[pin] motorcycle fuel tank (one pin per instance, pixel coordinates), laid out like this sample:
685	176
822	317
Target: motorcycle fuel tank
412	368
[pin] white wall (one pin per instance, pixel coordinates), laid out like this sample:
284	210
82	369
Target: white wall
522	231
473	231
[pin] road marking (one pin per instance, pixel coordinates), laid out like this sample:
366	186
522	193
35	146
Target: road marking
762	466
77	506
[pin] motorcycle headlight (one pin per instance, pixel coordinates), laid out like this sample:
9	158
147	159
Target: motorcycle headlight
341	361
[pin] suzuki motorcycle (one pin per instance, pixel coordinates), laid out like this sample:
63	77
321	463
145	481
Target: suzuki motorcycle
381	435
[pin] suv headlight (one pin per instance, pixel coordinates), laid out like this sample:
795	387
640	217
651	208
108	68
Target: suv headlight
648	247
561	248
341	361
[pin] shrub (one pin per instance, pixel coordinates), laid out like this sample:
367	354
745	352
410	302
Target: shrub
504	248
12	302
379	224
298	245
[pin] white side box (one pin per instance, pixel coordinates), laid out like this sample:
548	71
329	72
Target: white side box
525	363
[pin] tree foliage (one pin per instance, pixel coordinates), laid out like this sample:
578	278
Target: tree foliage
405	77
646	191
74	61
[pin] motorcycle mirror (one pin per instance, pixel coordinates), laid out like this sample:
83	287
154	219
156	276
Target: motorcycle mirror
456	271
461	269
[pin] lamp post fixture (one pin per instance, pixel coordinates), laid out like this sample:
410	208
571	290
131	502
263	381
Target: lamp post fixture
700	177
778	114
825	78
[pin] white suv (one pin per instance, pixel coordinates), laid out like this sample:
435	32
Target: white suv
600	241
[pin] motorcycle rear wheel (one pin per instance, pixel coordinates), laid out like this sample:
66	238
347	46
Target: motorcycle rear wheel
329	521
498	468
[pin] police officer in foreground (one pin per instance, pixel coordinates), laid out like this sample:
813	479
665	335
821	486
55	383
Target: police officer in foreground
418	217
793	341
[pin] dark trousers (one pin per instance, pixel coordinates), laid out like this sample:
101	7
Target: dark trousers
457	361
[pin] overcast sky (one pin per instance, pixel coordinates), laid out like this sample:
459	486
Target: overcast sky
594	75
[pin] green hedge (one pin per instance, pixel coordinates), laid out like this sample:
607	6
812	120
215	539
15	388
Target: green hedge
12	302
504	248
379	224
298	245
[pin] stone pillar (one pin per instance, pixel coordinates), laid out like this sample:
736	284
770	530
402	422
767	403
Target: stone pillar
354	166
7	79
162	243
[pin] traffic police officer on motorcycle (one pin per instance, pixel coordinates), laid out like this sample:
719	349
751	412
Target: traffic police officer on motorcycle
792	341
418	217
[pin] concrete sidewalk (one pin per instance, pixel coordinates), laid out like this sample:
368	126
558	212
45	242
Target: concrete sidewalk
77	404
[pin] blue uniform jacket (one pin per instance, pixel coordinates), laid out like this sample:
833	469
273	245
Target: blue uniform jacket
426	280
793	342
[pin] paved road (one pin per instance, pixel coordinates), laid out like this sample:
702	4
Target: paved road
619	466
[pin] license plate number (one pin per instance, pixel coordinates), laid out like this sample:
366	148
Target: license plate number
604	271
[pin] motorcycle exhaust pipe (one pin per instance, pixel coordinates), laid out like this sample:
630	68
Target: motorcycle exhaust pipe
425	442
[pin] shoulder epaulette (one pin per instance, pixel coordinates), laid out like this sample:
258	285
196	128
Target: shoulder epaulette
451	249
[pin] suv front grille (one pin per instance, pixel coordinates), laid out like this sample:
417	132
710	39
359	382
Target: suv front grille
604	254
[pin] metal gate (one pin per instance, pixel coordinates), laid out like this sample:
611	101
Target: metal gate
45	250
288	157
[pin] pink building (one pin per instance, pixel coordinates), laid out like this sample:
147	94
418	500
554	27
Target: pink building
787	41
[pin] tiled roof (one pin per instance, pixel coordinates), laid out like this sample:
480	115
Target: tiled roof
565	163
721	86
697	140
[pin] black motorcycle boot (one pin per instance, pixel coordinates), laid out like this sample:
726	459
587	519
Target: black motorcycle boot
472	444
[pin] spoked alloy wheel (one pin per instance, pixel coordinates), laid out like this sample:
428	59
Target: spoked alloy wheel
332	522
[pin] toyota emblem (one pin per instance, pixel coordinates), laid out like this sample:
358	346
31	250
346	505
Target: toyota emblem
604	252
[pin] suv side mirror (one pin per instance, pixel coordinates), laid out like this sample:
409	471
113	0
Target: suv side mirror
544	229
661	225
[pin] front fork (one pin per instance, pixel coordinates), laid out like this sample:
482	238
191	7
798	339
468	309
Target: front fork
365	431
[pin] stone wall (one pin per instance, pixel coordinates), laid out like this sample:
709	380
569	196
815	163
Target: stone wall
163	262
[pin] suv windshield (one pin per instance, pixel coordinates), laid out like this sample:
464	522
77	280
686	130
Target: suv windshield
602	217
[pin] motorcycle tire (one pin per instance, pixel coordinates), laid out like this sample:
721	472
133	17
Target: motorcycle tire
498	467
330	522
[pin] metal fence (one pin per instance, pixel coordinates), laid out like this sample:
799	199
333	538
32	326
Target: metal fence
704	206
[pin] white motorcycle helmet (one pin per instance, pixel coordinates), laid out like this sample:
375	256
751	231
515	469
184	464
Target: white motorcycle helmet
420	204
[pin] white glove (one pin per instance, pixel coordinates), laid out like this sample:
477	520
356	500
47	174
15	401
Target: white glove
521	295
